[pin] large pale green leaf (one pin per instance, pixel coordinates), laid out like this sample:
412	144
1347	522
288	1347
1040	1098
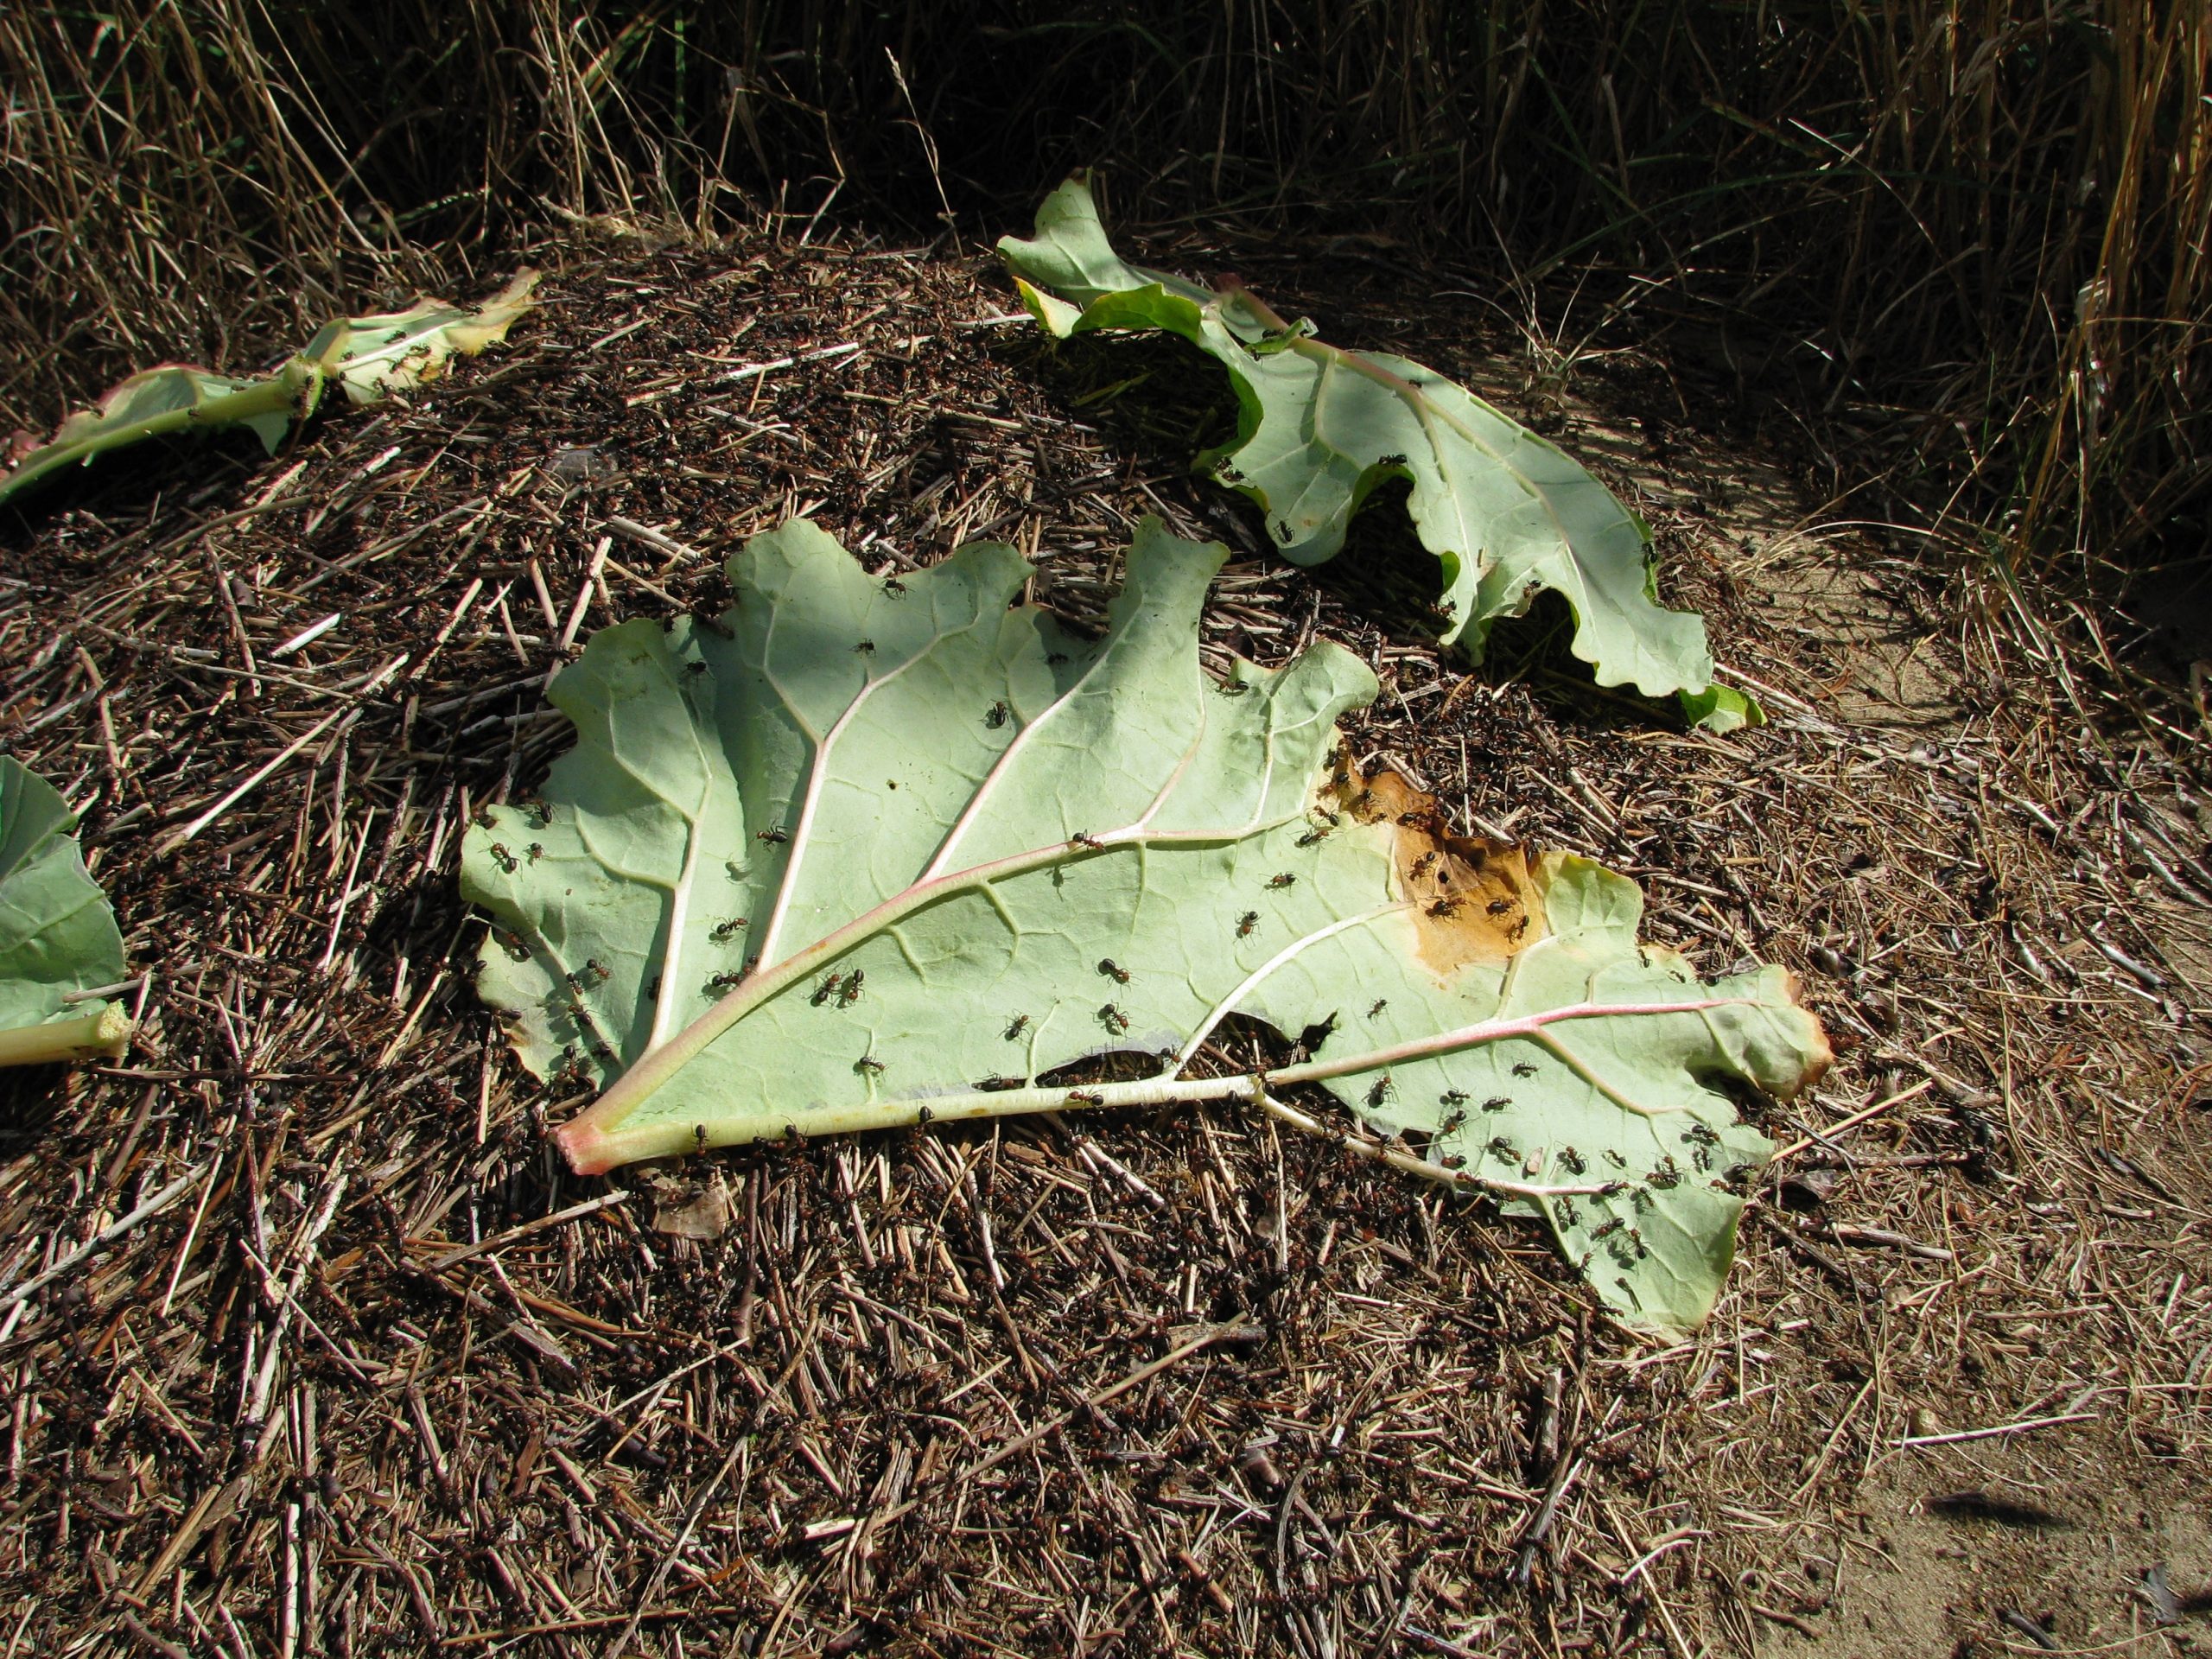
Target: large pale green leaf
864	853
1506	512
370	357
57	931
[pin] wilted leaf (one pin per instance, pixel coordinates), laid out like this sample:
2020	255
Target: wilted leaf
1506	512
370	357
57	932
373	357
862	853
174	398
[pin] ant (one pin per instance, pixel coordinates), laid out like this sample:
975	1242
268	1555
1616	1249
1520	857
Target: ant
1020	1025
1381	1003
998	716
850	992
866	648
505	860
1247	922
1522	1069
1382	1091
725	932
774	837
1113	1019
894	587
1114	970
826	989
1285	880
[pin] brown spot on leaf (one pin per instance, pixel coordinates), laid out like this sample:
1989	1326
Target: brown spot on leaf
1474	899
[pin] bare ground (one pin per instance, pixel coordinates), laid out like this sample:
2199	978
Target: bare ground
967	1392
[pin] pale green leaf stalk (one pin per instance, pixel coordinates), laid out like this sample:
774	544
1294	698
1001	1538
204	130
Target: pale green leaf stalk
862	853
57	933
1507	514
370	357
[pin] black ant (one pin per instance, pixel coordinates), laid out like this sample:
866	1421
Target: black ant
1080	1098
1381	1003
1113	1019
998	716
1247	922
896	587
1522	1069
1498	1103
1090	843
1382	1091
866	648
849	993
1423	864
869	1063
1013	1031
826	989
1114	970
505	860
725	932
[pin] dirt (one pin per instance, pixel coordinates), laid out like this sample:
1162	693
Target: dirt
602	1434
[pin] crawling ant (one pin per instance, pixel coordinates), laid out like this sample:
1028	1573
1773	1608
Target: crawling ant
1247	922
592	973
826	989
1423	865
1519	927
725	932
1522	1069
775	837
1381	1003
1113	1019
1020	1023
868	1064
1452	1097
866	648
1498	1103
1320	832
1608	1228
894	587
695	668
505	860
1232	688
1382	1091
1446	906
1502	1150
1285	880
1081	1098
1571	1162
483	817
998	716
537	851
1498	907
725	981
849	993
1114	970
537	814
998	1085
922	1116
1451	1121
1090	843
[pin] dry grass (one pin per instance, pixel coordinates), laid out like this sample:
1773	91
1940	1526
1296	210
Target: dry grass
991	1391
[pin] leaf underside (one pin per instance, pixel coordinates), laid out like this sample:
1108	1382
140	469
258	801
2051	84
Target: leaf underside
1507	514
862	853
57	929
370	357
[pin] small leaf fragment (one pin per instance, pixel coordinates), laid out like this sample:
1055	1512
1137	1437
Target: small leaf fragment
370	357
58	933
942	911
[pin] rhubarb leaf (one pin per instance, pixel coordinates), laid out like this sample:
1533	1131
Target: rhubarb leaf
862	853
374	357
57	931
370	357
1507	514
